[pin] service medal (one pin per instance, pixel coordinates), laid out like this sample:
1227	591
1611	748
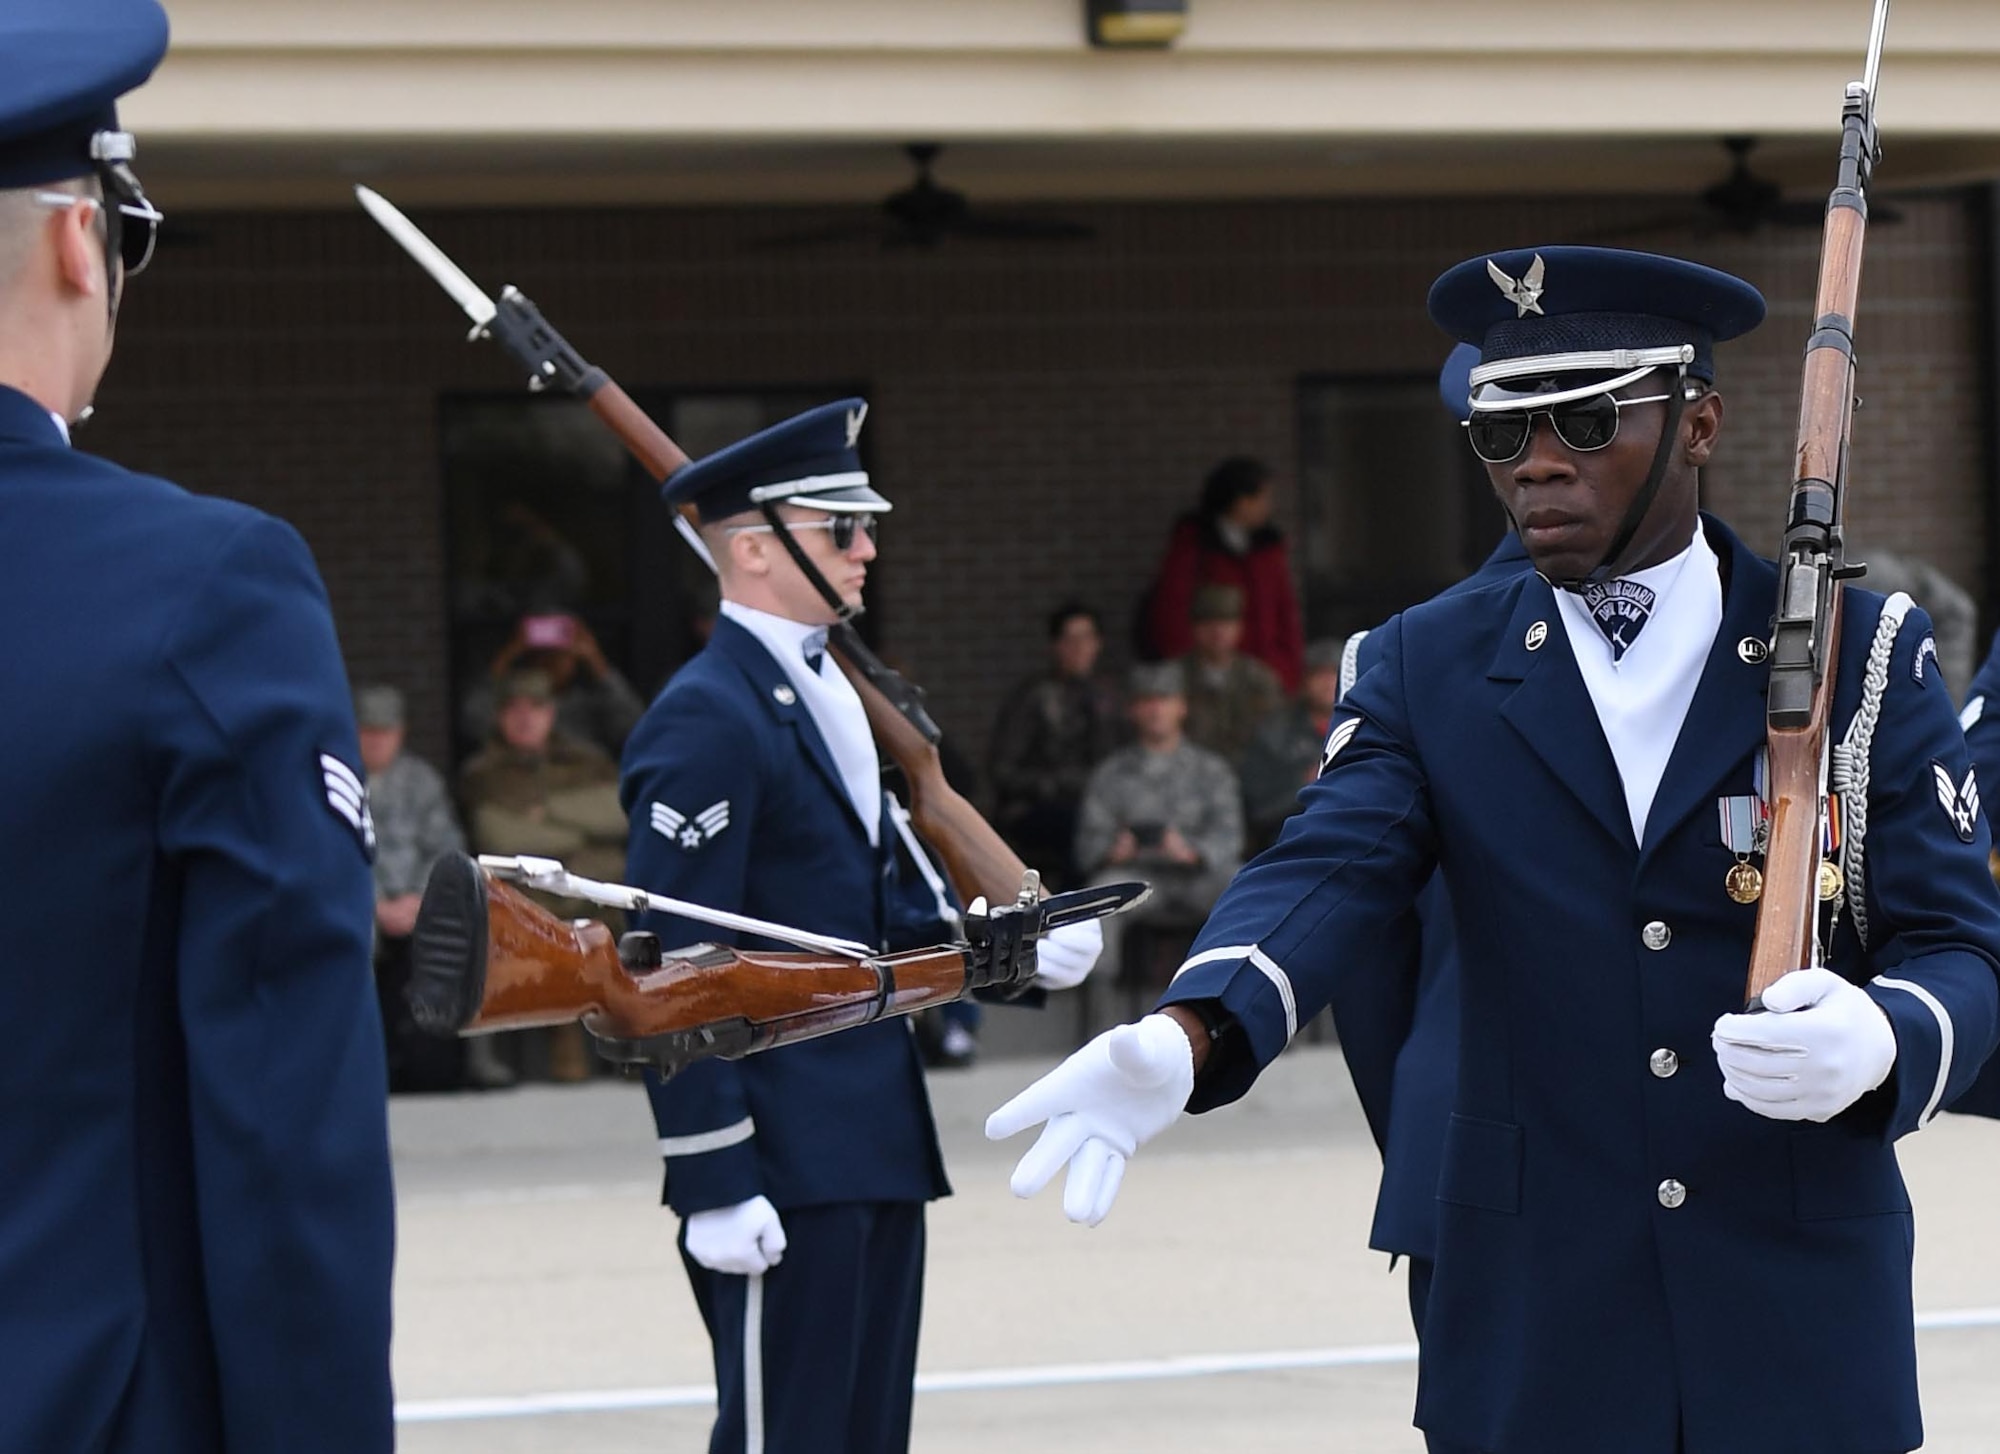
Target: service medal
1744	883
1830	881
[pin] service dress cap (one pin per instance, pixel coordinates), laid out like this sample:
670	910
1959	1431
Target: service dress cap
1455	381
1540	313
63	66
811	459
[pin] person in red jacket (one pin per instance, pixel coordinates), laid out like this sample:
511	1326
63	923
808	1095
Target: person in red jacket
1230	540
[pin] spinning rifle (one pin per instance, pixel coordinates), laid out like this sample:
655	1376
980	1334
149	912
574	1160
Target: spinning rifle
486	957
1805	642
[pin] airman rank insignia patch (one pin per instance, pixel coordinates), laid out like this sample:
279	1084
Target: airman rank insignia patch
690	834
1342	734
1961	803
1927	648
348	799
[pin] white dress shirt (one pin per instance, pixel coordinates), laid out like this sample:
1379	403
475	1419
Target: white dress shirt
1642	698
835	706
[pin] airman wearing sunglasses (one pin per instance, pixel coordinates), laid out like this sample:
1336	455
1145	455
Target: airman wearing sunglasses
1664	1226
752	784
196	1237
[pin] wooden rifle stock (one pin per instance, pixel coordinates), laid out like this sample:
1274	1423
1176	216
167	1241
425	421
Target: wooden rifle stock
1806	641
485	957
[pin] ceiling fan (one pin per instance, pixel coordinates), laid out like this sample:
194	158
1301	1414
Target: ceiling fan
1742	203
926	212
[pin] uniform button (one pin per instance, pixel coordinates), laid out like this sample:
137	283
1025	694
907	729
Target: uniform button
1672	1193
1663	1062
1656	935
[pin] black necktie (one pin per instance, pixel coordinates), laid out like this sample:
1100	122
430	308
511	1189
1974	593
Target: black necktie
1621	609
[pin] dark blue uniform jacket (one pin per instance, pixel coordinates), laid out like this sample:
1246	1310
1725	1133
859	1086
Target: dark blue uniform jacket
1399	1031
844	1118
1574	1311
196	1230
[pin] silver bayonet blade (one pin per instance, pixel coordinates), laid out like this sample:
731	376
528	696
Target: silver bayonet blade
450	276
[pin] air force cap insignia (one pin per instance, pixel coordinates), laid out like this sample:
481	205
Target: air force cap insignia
1525	292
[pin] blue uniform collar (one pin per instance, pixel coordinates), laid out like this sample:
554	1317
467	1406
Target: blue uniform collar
24	421
1551	709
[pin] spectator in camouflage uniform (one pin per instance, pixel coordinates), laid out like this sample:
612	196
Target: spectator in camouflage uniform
414	825
534	790
1162	810
1284	753
1228	693
1053	729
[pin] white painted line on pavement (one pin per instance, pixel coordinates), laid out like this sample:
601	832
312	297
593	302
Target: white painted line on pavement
695	1395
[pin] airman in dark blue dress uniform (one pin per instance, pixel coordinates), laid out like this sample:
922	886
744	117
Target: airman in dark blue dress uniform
195	1236
1663	1225
753	785
1981	721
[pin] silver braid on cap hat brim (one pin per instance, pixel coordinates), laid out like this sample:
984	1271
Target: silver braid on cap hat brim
1850	760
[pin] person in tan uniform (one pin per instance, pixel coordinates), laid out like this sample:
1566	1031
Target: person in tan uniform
534	790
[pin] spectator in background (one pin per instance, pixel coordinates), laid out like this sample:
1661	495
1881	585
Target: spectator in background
1052	730
1230	540
414	826
535	790
1284	752
594	704
1162	810
1954	618
1228	693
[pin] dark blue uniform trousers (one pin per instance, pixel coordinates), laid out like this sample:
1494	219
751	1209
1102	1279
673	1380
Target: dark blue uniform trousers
817	1355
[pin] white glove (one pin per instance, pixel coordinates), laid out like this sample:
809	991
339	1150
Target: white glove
1822	1046
1102	1104
1064	957
745	1239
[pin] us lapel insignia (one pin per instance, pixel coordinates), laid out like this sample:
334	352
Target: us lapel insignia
1525	292
1342	734
1961	803
783	695
1537	634
690	834
1750	651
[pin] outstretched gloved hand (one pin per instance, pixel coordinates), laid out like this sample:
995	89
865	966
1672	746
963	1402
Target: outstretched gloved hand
1822	1045
1102	1104
745	1239
1065	956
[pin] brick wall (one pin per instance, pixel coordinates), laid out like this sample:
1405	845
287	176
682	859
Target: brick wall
1041	411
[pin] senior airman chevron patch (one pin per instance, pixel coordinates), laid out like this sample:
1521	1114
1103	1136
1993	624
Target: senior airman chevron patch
1961	803
690	834
1342	734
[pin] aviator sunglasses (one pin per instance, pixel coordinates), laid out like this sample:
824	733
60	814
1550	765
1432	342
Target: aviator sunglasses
1584	425
841	526
133	225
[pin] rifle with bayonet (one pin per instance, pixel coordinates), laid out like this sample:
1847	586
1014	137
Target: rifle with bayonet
978	861
485	957
1805	642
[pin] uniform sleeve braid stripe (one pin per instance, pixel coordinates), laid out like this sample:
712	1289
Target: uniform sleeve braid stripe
706	1141
1946	1039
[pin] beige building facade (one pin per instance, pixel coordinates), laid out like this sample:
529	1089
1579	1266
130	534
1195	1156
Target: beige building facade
689	192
